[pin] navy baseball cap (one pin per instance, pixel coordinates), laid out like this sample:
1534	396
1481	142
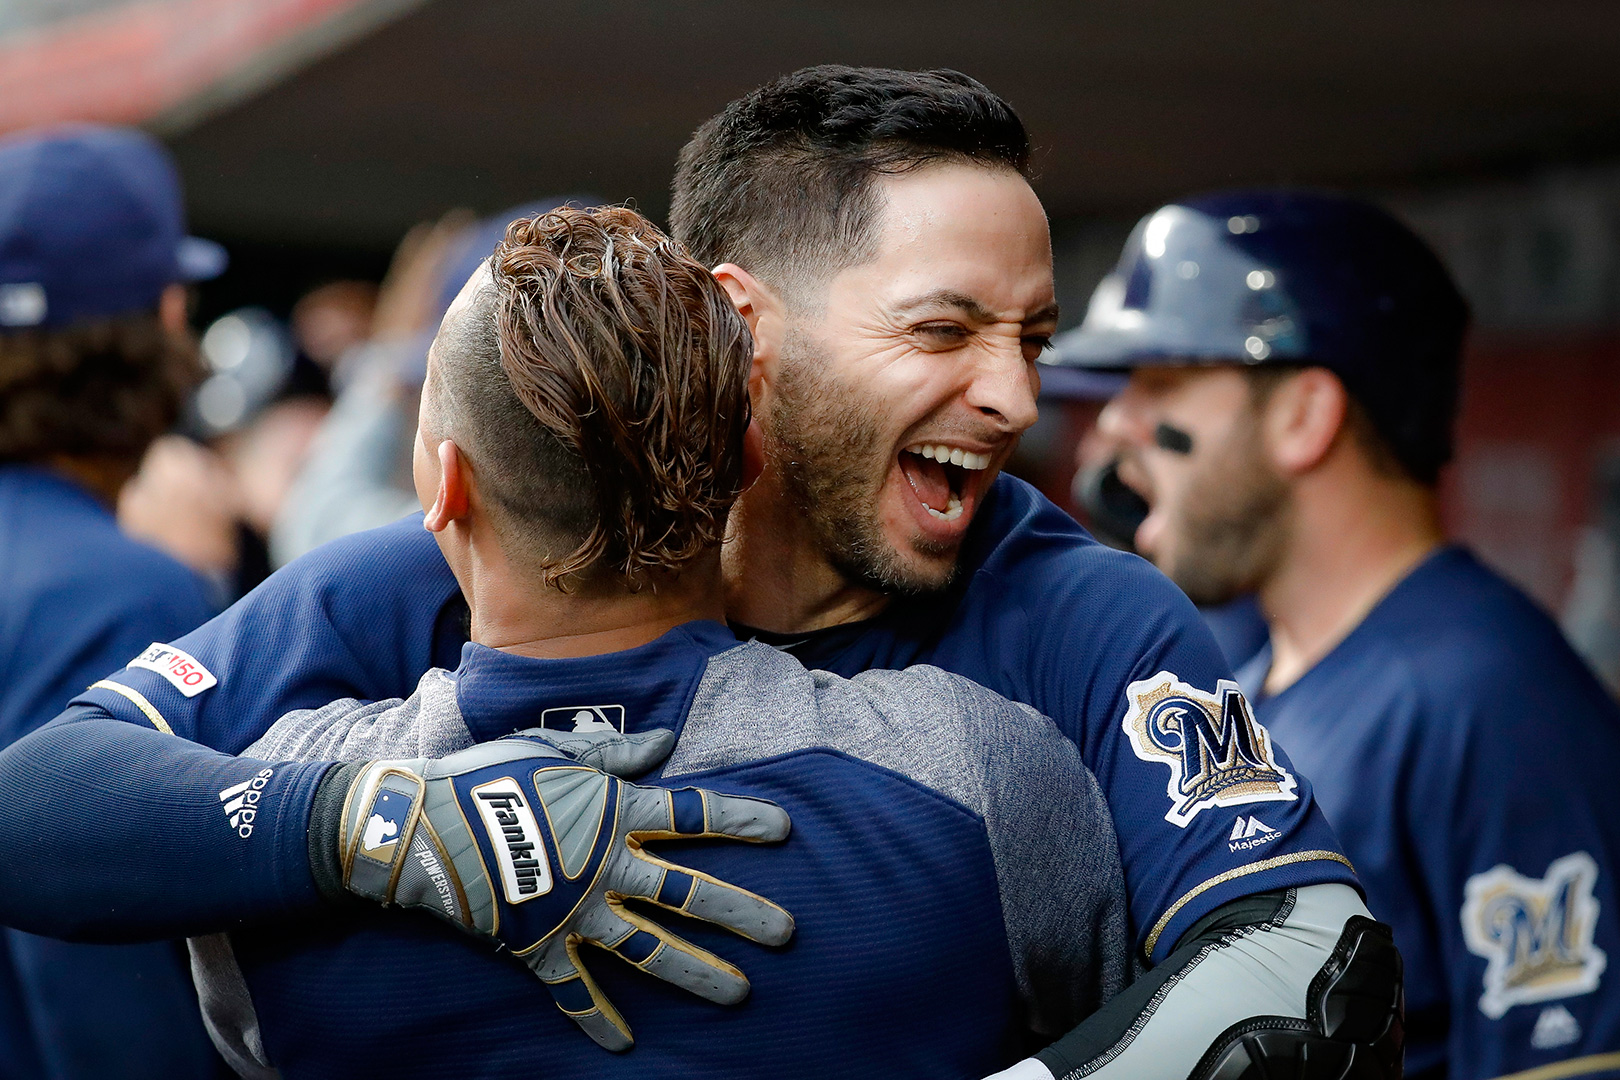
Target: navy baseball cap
91	225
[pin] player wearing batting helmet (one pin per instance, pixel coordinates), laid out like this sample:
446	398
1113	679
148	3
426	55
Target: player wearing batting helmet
1294	364
877	232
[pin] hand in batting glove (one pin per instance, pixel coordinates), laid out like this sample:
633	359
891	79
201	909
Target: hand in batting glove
522	842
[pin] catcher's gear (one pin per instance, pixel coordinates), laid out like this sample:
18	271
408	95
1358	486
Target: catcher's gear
517	841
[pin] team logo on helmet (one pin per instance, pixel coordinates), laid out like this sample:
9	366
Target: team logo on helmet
1218	754
1535	934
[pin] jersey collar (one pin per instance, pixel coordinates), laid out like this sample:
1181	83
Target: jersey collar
646	687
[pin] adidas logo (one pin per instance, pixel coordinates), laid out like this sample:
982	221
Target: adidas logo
242	801
1250	832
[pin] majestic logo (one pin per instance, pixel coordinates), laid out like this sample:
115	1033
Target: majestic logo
242	802
1535	934
584	718
183	670
1218	754
515	836
1555	1027
1250	832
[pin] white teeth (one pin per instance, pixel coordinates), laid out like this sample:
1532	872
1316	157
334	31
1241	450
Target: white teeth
952	511
966	459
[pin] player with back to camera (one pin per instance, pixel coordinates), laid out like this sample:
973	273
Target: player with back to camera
591	564
95	362
1294	363
876	231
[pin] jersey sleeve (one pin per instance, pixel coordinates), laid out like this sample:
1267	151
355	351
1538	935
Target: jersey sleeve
426	724
1056	857
361	618
1208	808
1511	835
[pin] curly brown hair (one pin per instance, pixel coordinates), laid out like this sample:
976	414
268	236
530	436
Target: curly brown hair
610	434
103	389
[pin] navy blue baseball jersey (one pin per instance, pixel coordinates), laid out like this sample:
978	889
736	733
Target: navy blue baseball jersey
924	824
1467	758
1206	806
76	598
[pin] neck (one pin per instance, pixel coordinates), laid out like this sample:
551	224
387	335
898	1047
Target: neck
517	612
777	576
1355	535
103	477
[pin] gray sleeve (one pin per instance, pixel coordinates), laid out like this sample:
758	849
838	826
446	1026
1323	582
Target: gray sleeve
426	724
1057	859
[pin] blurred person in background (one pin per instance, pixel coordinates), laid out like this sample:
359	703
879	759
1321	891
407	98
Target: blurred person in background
1294	363
209	494
357	473
95	362
1112	510
1591	616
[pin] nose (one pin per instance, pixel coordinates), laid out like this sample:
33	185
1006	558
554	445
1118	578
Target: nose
1125	419
1004	388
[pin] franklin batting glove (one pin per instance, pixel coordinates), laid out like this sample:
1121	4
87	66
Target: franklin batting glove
517	841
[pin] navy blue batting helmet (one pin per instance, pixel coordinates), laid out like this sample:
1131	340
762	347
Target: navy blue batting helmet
1298	278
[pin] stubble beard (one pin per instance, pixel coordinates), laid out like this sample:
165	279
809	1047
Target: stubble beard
1234	526
826	443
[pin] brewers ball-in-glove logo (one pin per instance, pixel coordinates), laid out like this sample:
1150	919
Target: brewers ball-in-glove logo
1536	934
1218	754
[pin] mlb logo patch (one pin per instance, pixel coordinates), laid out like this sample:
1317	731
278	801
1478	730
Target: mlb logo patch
584	718
386	821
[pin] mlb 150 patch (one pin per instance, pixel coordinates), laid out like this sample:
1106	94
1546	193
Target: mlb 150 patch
182	670
1218	754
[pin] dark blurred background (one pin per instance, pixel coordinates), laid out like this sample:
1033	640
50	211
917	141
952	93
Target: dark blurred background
312	134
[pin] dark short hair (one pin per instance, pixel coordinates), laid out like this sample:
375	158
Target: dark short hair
781	181
599	386
102	389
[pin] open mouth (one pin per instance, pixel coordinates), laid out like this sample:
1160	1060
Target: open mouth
942	477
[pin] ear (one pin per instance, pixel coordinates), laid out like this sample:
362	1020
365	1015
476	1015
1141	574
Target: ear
172	305
753	453
1303	419
764	313
454	494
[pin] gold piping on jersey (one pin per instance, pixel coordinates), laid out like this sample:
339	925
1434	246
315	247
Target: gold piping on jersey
1559	1070
140	702
1232	875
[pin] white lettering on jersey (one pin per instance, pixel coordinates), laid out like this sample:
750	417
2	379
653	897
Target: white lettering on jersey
1250	832
1217	753
1536	934
182	670
242	802
515	836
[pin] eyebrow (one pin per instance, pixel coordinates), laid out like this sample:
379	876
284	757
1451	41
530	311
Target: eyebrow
969	306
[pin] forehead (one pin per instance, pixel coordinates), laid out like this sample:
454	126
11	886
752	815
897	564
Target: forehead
967	228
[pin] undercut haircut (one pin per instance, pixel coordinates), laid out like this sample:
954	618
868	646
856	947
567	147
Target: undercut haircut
783	181
598	385
103	389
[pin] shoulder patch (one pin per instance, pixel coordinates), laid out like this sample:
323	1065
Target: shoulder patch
1536	934
182	669
1217	752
